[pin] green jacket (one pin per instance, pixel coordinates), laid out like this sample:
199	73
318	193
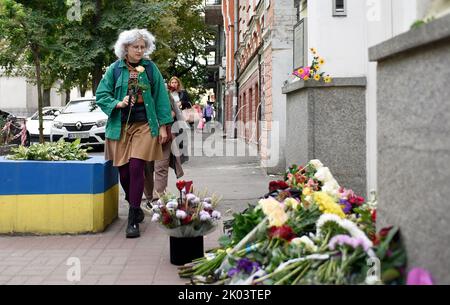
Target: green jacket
156	99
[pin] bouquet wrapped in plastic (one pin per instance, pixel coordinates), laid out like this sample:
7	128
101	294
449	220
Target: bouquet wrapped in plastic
189	215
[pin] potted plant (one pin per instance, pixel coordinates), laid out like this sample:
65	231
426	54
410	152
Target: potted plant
56	188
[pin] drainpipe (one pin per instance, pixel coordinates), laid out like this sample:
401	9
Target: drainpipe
236	84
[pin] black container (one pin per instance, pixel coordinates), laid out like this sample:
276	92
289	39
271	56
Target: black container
185	249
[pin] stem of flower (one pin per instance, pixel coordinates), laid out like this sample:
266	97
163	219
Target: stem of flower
130	98
288	276
267	276
297	279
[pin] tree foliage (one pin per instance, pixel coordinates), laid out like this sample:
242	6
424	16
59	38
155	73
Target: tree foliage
38	40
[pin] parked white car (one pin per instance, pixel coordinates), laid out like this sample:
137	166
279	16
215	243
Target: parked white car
49	114
80	119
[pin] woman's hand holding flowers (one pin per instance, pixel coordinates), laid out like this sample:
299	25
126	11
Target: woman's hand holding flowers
124	103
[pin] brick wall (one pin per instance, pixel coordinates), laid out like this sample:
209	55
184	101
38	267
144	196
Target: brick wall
249	89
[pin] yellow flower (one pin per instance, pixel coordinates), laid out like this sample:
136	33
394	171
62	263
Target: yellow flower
292	203
307	191
306	77
317	77
278	218
321	61
313	50
274	211
269	205
140	69
327	205
327	79
316	67
301	71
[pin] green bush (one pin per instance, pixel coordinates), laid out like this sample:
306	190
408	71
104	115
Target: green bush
56	151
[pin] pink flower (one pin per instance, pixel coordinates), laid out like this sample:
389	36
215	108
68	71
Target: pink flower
306	72
419	276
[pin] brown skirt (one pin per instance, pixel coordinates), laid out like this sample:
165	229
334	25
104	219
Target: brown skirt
138	143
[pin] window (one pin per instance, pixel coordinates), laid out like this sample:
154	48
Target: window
340	8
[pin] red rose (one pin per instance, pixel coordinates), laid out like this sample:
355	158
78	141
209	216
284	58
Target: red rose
375	240
385	231
356	200
167	219
188	187
374	215
180	184
284	232
187	220
277	185
273	186
282	185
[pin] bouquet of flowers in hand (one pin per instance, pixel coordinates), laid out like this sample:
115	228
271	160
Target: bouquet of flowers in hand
189	215
313	71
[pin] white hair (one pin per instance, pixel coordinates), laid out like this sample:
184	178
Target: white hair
129	37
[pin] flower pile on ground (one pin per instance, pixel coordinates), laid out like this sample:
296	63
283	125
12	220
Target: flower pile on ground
306	230
189	215
313	71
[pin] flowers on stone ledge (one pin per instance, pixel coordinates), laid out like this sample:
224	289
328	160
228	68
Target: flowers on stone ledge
314	71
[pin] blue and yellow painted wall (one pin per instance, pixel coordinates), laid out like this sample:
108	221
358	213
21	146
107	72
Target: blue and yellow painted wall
71	197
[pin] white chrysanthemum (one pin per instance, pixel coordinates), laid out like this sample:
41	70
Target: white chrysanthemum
331	187
190	197
323	174
208	200
316	163
172	205
155	209
304	240
216	215
181	214
346	224
204	216
155	217
207	206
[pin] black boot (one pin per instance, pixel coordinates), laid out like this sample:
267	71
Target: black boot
140	215
133	225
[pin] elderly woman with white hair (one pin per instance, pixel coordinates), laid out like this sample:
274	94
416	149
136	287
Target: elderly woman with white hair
135	130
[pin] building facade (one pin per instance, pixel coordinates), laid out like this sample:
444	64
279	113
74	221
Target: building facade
259	44
18	96
216	50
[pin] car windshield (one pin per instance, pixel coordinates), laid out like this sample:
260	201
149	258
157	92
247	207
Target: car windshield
48	114
82	106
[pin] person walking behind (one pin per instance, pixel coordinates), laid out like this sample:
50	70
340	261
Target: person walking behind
198	118
157	172
179	94
136	127
208	113
181	97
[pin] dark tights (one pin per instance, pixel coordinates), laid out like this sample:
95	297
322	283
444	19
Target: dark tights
132	181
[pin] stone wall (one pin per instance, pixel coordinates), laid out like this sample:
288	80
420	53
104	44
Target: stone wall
414	142
328	122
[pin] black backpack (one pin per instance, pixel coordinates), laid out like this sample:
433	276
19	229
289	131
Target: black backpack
148	69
